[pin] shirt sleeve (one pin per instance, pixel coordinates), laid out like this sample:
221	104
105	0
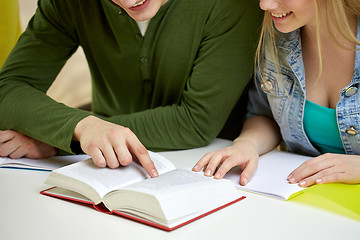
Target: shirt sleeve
220	74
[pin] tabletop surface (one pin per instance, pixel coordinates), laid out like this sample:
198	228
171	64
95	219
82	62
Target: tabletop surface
26	214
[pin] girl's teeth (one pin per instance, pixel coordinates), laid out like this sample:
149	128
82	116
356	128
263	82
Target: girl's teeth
279	15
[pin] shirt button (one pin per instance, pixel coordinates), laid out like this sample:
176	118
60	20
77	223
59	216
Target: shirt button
266	86
138	36
351	91
143	60
351	131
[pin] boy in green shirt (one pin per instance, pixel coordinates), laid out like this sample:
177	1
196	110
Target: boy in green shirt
166	74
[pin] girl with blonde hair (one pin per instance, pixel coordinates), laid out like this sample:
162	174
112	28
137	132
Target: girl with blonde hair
307	94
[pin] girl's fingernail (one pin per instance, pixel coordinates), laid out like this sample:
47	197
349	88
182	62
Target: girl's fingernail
217	175
302	183
195	167
319	180
207	173
292	180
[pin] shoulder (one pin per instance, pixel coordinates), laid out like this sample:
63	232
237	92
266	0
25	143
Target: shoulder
67	2
238	7
229	4
71	5
68	12
224	6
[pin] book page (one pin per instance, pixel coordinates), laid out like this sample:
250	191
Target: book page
179	178
43	164
104	180
173	195
161	163
271	175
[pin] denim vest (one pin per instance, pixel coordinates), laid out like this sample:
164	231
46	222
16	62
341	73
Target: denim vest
284	100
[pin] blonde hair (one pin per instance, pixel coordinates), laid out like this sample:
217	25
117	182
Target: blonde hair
332	11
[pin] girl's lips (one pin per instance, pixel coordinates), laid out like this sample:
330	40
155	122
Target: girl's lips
138	6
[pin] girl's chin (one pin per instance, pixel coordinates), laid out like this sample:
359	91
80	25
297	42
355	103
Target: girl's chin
283	29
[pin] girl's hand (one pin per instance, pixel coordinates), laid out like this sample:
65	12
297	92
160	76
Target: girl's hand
241	153
111	145
14	144
327	168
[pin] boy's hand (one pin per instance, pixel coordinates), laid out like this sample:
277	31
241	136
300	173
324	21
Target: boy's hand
111	145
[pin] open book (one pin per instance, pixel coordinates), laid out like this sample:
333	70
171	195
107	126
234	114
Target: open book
46	164
270	178
175	198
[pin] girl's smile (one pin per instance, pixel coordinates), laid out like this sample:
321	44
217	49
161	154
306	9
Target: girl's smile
289	15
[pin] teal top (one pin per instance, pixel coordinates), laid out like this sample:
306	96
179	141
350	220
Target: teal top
174	88
321	128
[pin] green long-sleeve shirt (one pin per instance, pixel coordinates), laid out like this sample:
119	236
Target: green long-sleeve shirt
174	88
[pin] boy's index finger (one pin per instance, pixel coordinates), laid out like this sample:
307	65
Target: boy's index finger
142	155
148	165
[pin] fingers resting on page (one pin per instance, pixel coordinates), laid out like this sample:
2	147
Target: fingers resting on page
112	145
218	163
327	168
14	144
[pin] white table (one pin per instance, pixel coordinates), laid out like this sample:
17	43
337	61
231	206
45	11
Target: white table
26	214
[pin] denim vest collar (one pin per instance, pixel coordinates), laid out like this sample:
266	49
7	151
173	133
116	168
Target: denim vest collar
291	44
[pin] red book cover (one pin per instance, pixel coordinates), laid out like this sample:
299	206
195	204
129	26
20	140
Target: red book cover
101	207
